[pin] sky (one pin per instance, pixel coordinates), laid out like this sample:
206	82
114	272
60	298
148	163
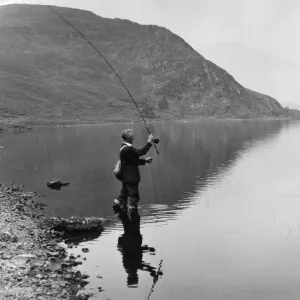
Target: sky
269	26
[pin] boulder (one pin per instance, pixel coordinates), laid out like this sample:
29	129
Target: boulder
84	224
57	184
75	224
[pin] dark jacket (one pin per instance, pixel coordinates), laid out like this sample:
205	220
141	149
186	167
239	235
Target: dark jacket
130	161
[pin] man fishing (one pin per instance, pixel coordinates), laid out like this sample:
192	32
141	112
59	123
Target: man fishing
130	174
129	156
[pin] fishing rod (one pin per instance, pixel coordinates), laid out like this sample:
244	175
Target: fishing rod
155	279
156	141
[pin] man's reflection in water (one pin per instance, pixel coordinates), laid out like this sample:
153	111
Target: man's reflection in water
130	246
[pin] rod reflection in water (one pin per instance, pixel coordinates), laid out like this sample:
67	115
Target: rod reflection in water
131	248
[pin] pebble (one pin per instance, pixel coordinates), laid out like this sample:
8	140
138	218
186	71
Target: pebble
32	244
83	295
38	264
53	253
29	256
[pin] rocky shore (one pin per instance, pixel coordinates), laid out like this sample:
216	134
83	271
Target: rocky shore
33	263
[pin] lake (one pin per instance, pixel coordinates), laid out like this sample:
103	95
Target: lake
220	204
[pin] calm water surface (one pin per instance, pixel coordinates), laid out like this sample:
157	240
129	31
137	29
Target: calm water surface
220	205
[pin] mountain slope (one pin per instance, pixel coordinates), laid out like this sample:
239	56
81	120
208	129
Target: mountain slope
49	72
258	71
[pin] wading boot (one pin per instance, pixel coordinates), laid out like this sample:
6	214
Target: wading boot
116	207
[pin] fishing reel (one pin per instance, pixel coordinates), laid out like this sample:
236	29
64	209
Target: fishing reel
156	141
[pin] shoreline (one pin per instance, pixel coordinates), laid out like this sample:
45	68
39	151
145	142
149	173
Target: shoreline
33	265
27	125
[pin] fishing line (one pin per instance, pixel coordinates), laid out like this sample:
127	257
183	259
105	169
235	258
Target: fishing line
103	57
127	90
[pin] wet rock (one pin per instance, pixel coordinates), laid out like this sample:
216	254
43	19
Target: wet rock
84	276
15	188
83	295
31	233
85	224
83	283
57	184
37	264
53	253
74	224
6	256
68	276
8	237
66	264
26	256
20	261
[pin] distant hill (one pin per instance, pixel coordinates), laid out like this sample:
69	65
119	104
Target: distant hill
264	73
48	72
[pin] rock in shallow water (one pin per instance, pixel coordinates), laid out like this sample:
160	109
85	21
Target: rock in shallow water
57	184
75	224
83	295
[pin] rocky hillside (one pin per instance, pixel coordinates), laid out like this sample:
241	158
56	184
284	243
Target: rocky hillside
264	73
48	72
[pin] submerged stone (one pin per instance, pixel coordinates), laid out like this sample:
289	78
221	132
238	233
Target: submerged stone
57	184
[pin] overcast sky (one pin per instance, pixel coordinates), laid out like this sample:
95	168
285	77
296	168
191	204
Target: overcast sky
271	26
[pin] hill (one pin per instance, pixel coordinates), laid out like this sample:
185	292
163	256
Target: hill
49	73
258	71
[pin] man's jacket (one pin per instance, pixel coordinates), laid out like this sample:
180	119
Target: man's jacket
130	161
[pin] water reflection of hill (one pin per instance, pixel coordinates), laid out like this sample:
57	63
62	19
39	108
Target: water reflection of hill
193	155
189	153
192	152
